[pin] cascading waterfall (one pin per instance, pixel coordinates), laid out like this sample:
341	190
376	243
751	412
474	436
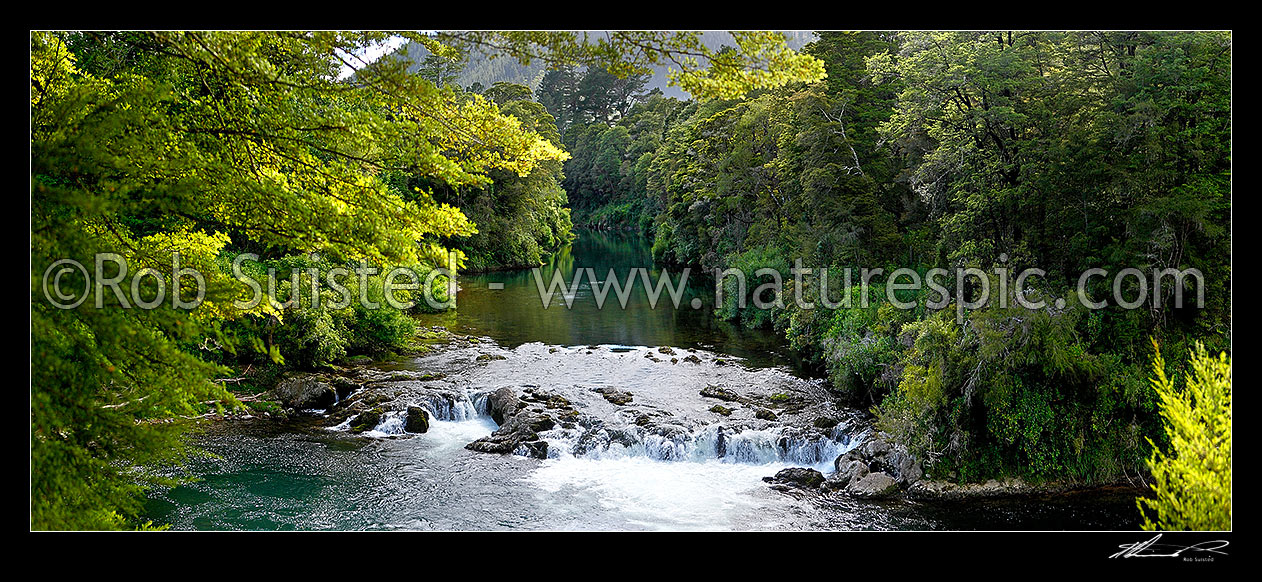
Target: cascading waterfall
713	442
781	444
442	407
455	407
391	424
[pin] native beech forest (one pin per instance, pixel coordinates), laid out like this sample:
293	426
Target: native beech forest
993	151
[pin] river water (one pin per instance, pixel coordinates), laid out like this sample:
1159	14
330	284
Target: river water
265	475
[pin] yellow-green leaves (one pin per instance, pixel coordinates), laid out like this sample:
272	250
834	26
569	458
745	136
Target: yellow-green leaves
1192	479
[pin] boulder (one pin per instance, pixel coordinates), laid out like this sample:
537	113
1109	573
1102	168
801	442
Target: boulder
519	428
851	472
902	466
765	414
851	455
875	448
367	420
417	420
305	391
825	423
344	387
873	486
798	477
502	403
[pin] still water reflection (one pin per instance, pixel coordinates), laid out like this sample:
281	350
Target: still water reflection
516	314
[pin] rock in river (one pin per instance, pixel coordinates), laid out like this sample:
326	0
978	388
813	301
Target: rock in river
614	395
797	476
417	420
502	404
305	391
873	486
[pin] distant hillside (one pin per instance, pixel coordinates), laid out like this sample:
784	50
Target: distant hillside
479	68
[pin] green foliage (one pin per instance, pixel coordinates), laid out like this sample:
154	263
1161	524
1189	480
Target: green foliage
1015	391
740	306
1191	487
521	219
200	142
316	325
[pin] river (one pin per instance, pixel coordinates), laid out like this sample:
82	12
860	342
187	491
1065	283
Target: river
678	470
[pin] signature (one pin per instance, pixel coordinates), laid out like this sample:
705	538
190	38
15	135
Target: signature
1152	549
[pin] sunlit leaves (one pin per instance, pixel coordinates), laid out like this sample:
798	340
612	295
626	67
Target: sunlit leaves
1192	478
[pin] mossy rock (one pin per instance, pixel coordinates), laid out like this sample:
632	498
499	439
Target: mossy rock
720	393
417	420
765	414
614	395
557	401
367	420
720	409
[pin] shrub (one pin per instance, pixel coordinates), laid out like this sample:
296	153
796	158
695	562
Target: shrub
1191	487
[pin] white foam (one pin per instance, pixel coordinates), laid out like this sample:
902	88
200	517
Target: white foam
709	495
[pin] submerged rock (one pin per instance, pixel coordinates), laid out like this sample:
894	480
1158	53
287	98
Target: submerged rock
614	395
721	393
